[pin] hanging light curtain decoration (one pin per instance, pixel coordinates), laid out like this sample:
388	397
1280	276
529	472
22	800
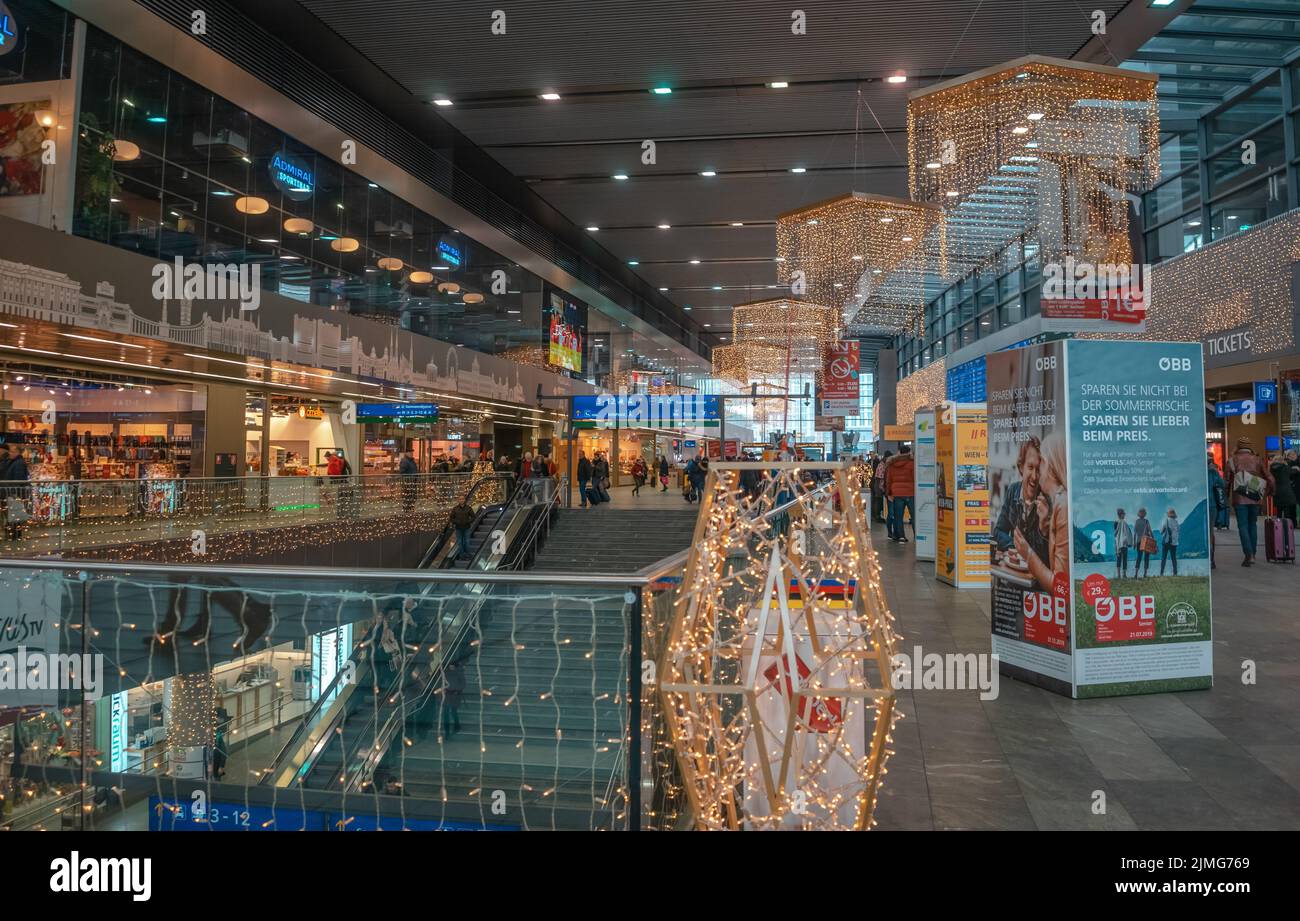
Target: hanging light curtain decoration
743	361
1041	146
789	333
862	253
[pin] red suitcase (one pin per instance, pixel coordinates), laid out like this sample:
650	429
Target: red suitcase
1279	540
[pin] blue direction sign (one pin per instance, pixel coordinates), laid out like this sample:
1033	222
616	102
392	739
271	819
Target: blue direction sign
1265	393
1233	408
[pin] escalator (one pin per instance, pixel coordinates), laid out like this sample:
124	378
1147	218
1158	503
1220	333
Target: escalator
389	686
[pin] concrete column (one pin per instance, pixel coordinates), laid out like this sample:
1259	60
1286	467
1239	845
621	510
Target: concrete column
224	431
887	391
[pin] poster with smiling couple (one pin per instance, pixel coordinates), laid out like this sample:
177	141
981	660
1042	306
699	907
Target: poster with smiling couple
1100	565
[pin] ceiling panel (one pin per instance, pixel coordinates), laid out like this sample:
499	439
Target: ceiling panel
603	58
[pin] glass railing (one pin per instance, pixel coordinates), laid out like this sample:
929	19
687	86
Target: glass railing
526	723
70	516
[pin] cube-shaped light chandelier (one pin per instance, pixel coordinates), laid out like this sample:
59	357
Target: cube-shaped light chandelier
1040	147
842	251
792	333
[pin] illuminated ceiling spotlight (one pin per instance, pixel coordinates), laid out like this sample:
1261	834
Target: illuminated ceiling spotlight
124	151
391	263
473	297
449	287
345	245
420	278
549	97
899	77
251	204
443	102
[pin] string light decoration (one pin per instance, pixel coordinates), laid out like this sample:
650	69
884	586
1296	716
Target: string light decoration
927	387
1038	143
775	678
791	332
1241	281
738	363
848	248
193	721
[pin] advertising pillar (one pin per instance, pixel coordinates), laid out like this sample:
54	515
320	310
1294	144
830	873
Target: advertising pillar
1101	562
923	441
961	495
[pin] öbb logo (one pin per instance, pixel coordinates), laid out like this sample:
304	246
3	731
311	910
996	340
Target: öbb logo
1168	363
1128	607
1050	609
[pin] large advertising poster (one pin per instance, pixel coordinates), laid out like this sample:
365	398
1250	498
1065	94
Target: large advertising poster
961	496
567	329
1083	297
1029	513
1101	581
839	384
1138	503
923	442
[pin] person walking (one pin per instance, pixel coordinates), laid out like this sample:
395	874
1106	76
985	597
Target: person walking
663	473
1250	480
1218	490
1284	493
453	688
1169	540
409	471
462	519
638	476
600	476
900	492
584	476
1144	540
16	514
1123	540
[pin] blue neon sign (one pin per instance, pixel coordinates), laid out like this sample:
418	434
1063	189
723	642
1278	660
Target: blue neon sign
292	177
449	253
8	31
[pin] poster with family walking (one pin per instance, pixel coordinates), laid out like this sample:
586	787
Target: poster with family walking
1099	516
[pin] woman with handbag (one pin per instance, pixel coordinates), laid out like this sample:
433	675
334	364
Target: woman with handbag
1145	539
1251	481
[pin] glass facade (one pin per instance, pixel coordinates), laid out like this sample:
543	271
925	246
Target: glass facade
168	169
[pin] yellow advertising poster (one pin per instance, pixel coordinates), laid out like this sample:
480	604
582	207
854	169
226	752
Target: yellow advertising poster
962	496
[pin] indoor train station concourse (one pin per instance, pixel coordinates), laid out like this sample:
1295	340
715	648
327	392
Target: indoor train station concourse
650	417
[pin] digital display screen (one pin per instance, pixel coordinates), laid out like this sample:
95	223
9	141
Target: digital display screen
567	329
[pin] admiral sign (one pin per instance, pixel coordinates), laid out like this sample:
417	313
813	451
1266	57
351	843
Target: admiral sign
292	177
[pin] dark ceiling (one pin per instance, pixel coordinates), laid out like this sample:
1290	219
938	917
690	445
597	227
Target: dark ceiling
838	119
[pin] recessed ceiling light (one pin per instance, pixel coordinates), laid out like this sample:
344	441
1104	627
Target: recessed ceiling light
857	258
695	262
687	307
717	287
662	90
708	324
1193	223
442	102
875	271
665	226
663	289
907	239
950	194
1032	145
779	259
549	97
812	222
777	85
839	284
798	169
886	220
633	262
896	78
708	173
1020	129
620	176
737	223
1034	116
592	229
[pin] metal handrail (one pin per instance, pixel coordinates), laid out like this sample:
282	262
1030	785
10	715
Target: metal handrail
535	531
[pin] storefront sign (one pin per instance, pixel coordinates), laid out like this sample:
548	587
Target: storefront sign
292	177
962	497
117	729
840	380
923	439
450	253
397	412
310	412
1107	440
8	31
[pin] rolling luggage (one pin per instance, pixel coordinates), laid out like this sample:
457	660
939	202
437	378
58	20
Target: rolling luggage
594	496
1279	540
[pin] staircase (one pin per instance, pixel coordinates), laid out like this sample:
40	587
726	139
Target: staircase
614	540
